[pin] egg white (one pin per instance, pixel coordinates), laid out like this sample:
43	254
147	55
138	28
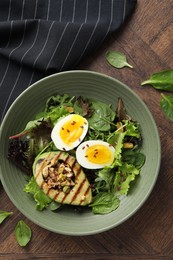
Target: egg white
83	160
59	142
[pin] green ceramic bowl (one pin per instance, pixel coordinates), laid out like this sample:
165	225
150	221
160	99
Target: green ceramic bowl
93	85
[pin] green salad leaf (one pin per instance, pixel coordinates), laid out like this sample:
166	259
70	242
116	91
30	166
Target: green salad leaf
132	129
134	157
54	205
31	187
4	215
105	177
58	101
116	139
104	203
23	233
41	199
102	116
105	180
162	80
124	176
117	59
82	106
167	105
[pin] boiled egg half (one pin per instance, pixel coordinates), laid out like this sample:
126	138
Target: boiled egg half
95	154
69	132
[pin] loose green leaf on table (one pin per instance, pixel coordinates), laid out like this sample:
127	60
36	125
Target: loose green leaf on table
162	80
117	59
23	233
166	104
4	215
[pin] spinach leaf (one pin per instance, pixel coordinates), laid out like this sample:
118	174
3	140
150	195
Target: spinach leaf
117	59
166	104
105	179
23	233
134	157
104	203
102	116
4	215
162	80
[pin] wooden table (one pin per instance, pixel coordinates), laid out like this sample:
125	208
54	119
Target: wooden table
147	40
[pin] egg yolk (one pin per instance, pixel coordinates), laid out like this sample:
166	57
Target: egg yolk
72	130
99	154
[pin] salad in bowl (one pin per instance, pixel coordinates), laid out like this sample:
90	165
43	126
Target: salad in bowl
80	152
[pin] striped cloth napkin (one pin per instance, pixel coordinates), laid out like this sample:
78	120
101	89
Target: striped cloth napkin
39	38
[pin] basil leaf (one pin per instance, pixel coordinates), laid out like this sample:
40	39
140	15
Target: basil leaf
162	80
104	203
167	105
4	215
23	233
117	59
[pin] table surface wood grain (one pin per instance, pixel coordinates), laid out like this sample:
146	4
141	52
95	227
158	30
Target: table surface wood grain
147	40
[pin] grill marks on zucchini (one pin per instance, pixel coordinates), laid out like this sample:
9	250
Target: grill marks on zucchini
79	193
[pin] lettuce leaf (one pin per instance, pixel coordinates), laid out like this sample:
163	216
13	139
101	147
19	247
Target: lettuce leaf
132	129
124	176
41	199
105	176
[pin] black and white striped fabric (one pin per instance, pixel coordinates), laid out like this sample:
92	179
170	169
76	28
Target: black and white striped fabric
42	37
